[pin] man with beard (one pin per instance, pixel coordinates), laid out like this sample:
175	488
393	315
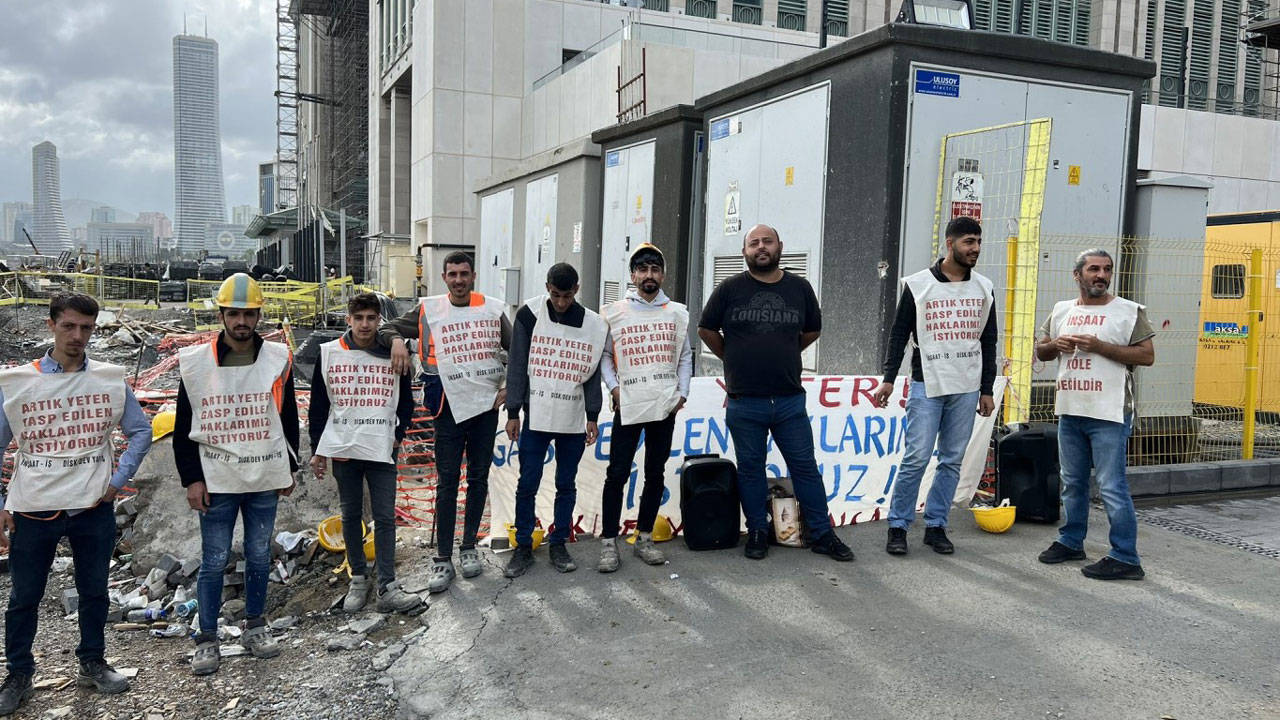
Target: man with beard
647	367
235	444
360	411
63	409
947	310
462	335
758	322
1096	338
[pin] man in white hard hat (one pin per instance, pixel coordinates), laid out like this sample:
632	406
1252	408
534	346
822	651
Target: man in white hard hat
647	366
235	443
63	409
462	337
947	309
360	410
1097	339
554	379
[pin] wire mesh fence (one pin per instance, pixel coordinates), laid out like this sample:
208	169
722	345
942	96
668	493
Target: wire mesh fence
28	287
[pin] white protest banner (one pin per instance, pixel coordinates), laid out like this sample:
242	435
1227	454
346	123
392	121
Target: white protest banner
858	448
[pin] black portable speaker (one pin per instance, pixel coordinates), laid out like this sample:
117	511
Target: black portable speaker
709	502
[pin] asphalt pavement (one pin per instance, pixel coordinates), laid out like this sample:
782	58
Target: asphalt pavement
986	633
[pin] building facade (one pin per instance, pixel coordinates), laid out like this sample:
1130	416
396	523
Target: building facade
198	197
121	242
267	188
48	224
161	227
11	214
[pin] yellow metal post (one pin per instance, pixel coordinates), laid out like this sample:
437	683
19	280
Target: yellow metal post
1252	345
1010	304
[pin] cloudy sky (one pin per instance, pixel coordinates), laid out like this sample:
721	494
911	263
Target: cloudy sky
95	77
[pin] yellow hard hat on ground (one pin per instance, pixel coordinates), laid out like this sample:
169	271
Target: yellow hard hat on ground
329	533
661	530
239	291
162	424
995	519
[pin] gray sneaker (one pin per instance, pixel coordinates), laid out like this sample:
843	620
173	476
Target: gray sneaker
648	552
357	594
16	690
441	576
259	641
561	560
609	560
394	599
208	658
469	561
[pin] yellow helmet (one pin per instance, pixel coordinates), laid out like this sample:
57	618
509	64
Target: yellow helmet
239	291
162	424
995	519
661	530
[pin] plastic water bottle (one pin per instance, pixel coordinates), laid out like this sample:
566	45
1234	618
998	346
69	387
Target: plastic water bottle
187	608
146	615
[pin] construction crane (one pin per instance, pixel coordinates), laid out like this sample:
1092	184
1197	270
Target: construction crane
34	249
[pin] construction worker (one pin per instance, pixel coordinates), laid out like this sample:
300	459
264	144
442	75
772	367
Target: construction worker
947	309
360	410
1097	338
464	373
235	443
647	366
554	378
758	322
63	408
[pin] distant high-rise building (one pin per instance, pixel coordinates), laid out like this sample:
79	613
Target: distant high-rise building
102	214
121	242
243	214
49	226
10	214
267	187
197	146
161	227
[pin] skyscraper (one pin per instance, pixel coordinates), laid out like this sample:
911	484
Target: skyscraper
49	225
197	142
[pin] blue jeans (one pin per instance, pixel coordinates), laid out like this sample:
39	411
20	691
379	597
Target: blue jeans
92	535
751	419
217	525
947	421
352	475
1085	443
533	454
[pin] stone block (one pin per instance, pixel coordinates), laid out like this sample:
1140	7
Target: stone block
1195	477
1238	474
1148	480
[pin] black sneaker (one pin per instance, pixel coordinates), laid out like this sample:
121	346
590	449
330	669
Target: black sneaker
831	545
1058	552
520	562
757	544
936	537
897	543
1109	568
561	559
15	691
100	676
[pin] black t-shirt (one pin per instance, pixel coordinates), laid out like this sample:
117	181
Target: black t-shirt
762	323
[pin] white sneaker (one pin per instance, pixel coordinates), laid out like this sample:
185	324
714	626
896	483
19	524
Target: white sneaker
357	594
648	552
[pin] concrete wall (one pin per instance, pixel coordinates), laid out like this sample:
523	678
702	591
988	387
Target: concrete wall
1240	156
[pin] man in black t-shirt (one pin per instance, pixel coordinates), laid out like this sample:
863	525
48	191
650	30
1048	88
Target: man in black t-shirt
758	322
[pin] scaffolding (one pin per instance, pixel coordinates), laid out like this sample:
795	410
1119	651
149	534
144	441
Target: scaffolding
349	84
286	106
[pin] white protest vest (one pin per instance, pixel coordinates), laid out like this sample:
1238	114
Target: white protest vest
363	395
561	359
235	418
1090	385
646	350
63	424
464	345
950	318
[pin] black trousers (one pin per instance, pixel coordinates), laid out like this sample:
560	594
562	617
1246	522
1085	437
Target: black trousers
623	442
473	438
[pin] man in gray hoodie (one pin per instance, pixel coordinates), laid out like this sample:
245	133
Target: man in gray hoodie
647	365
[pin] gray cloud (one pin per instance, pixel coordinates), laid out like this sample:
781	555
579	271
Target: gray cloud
95	77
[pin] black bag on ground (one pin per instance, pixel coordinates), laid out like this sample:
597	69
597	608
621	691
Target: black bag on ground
709	508
1027	472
